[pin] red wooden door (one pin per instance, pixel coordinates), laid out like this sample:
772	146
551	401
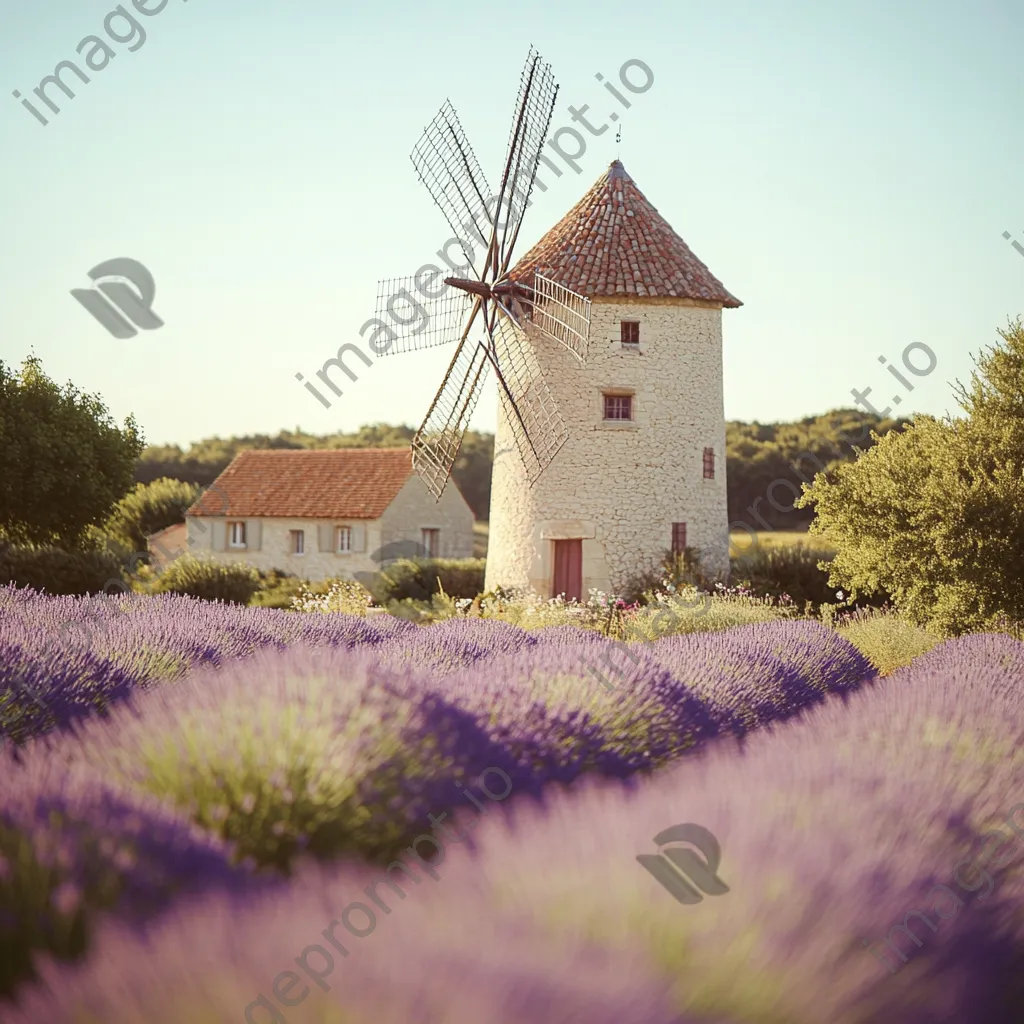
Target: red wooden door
568	576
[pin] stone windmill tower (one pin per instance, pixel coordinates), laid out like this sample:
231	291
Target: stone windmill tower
643	469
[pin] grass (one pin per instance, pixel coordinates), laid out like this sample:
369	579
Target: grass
740	542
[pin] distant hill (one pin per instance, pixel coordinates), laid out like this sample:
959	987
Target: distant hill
757	455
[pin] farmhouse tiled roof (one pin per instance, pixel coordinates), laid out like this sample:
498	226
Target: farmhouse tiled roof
614	242
340	483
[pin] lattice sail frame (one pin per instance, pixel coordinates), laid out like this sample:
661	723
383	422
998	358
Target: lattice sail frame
418	323
447	166
436	444
535	107
562	315
538	429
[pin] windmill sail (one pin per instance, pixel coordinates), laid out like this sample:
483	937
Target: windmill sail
416	322
538	429
562	315
534	109
446	164
436	444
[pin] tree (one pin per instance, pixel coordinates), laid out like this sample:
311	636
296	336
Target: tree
64	462
766	463
935	515
148	509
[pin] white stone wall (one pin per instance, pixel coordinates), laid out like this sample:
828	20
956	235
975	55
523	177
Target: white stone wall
412	510
272	549
620	486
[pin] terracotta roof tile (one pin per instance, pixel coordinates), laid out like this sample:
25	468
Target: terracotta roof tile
614	242
341	483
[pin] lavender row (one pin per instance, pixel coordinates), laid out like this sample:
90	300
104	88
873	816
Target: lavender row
833	828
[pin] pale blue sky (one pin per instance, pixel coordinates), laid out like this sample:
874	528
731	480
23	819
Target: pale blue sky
846	170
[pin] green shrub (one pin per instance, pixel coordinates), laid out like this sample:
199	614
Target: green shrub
333	595
792	570
935	515
148	509
280	590
695	612
210	581
417	579
55	570
886	639
678	571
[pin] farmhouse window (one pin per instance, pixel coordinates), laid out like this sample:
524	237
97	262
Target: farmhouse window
630	332
237	535
431	543
678	538
344	539
298	542
709	463
618	407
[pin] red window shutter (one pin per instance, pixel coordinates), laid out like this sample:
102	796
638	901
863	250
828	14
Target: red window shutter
709	463
629	332
678	538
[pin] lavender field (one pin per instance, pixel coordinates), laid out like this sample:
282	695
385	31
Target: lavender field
199	803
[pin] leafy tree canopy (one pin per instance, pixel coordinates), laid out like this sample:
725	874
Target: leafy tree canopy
935	515
64	462
146	510
757	455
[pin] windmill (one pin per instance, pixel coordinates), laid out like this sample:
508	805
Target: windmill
488	314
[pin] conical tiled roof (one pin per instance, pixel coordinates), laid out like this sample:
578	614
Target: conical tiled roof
614	242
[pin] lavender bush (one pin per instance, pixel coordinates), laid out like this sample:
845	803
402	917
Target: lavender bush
833	826
321	750
71	844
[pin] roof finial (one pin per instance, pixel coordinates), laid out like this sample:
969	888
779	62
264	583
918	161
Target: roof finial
618	142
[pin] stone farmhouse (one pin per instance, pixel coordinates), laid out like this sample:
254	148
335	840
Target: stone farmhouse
320	514
643	471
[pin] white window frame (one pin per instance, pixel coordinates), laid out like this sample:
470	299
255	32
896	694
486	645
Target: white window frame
236	530
434	533
298	542
341	532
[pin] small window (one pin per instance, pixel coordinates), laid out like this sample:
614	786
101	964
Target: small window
298	542
237	535
709	463
344	544
618	407
630	332
431	543
678	538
